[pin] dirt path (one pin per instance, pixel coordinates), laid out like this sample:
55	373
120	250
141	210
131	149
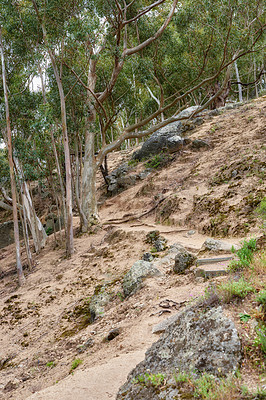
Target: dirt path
100	382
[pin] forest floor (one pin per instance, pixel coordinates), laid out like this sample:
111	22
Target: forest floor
212	192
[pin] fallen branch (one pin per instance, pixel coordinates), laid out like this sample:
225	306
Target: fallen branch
132	218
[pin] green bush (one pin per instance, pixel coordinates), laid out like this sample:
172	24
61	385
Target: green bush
235	289
261	298
261	212
261	338
149	379
75	364
245	255
158	161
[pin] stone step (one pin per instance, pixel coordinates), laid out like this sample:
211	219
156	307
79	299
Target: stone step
209	273
207	261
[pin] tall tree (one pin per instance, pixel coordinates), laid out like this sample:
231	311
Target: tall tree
21	277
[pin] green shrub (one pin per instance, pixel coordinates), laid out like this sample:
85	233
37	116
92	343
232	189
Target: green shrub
261	298
261	209
232	289
51	364
158	161
245	255
75	364
261	338
149	379
181	377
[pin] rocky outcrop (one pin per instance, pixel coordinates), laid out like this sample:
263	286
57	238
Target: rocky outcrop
169	138
183	260
195	342
137	274
121	179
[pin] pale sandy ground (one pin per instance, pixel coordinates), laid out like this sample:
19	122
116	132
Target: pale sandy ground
96	383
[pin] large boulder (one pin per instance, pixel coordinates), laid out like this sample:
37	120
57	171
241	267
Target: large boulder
137	274
169	138
195	342
183	259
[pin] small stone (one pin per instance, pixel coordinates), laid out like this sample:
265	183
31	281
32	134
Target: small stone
113	334
147	257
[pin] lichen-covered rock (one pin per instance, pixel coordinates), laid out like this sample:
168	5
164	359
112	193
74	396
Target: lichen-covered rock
217	246
195	341
98	302
169	137
183	259
139	271
158	242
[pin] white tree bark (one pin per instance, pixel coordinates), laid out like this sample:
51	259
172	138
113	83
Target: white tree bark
37	231
239	84
21	277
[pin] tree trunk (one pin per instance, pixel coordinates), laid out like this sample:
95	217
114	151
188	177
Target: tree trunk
239	84
89	201
69	216
21	277
37	231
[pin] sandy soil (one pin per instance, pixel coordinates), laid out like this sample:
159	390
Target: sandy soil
41	331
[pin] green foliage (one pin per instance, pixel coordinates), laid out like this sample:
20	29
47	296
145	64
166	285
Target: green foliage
158	161
261	210
49	230
245	255
261	298
75	364
235	289
51	364
209	387
261	338
4	168
148	379
182	377
244	317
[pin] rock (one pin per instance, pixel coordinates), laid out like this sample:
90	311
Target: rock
7	233
119	179
113	334
167	138
139	271
84	346
156	240
147	257
195	341
97	303
214	245
183	260
208	274
199	143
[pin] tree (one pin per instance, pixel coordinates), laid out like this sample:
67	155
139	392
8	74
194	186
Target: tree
21	277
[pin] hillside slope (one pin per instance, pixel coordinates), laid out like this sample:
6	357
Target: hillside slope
212	191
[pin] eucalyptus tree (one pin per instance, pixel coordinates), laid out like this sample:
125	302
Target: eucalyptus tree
21	277
162	55
108	37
